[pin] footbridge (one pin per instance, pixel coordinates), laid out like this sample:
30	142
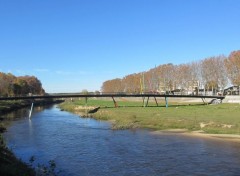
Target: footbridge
144	96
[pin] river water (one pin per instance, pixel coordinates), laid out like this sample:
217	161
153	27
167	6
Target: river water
82	146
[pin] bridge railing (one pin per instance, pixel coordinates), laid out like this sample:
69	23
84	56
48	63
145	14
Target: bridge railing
107	94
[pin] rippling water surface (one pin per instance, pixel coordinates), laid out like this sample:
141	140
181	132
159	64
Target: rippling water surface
88	147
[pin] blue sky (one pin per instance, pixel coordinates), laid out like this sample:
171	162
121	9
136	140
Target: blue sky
71	45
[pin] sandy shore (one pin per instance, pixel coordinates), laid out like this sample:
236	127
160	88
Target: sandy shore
201	134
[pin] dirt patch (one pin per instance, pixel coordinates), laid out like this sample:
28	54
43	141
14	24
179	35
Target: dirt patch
201	134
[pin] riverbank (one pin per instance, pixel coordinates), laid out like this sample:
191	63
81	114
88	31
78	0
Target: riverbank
209	119
9	164
200	134
10	106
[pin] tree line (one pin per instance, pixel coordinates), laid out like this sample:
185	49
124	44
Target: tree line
11	85
210	74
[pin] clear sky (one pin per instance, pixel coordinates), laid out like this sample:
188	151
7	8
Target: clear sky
71	45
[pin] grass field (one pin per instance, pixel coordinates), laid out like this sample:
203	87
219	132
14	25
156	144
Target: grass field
216	119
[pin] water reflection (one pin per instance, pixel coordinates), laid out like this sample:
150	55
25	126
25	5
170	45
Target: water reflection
30	126
88	147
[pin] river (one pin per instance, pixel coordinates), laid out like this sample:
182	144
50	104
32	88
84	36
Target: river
83	146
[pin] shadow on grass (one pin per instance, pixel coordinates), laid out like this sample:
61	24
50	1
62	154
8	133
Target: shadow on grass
160	106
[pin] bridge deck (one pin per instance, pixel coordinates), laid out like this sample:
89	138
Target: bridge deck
107	95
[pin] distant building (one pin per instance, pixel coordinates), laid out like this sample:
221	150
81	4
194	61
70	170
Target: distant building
233	90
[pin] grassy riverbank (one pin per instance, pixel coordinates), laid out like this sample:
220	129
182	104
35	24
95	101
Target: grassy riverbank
216	119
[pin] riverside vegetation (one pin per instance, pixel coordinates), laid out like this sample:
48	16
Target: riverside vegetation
215	119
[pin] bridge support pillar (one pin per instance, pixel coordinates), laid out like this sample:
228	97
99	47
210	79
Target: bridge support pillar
146	105
166	101
143	101
115	103
30	112
156	101
203	99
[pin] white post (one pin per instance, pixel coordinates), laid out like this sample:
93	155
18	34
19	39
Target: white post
30	113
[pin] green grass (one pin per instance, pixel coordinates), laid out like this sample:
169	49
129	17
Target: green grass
222	118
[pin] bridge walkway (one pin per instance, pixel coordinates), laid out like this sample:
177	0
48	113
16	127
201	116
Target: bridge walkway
113	96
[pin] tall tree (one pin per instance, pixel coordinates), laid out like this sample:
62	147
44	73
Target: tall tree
213	73
232	64
167	76
184	79
11	85
222	78
114	85
131	83
34	84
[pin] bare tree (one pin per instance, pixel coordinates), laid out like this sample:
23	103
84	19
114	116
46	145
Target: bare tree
222	72
232	64
213	73
183	76
195	71
166	74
